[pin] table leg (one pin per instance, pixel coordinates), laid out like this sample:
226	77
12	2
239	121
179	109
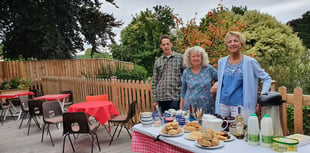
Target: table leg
15	110
62	104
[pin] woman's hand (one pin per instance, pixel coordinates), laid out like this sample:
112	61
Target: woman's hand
214	88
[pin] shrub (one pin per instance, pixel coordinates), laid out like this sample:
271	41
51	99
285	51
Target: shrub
16	83
290	119
138	73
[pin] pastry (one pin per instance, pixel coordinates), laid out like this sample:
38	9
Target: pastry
204	143
172	132
215	141
194	135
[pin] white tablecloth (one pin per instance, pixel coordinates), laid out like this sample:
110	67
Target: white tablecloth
235	146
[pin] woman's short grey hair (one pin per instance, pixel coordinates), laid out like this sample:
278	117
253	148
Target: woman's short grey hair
237	34
195	49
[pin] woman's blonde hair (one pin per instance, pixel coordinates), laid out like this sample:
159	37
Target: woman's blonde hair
240	36
195	49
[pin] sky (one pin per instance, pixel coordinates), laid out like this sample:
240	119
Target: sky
282	10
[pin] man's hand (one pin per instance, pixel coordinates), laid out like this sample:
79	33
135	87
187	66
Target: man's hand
155	104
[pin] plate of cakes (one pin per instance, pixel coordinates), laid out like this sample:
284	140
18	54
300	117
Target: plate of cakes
193	135
209	140
225	136
171	129
192	126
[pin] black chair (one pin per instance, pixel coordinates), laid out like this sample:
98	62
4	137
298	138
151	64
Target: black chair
25	108
70	99
52	114
5	108
35	109
122	120
77	123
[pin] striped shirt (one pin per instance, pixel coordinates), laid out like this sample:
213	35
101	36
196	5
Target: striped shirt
166	80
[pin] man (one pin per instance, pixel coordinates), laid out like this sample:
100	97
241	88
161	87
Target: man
167	73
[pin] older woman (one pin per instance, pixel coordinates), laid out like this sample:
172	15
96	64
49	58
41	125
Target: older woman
197	80
238	79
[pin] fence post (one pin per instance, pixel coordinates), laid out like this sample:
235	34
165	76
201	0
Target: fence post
298	112
113	91
283	92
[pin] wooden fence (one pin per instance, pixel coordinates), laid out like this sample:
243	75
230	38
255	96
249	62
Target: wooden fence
119	91
69	68
122	91
297	100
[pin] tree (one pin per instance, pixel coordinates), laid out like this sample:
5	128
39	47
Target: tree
88	55
141	38
210	33
302	26
53	29
277	48
239	10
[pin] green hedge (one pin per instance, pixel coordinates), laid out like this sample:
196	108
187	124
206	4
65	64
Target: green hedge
290	119
138	73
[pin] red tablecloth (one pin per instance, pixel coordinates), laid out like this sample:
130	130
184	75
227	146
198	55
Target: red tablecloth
146	144
102	111
52	97
15	94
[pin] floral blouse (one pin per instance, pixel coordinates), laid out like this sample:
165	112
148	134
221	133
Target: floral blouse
196	88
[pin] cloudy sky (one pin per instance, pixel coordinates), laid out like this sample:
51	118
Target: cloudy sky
282	10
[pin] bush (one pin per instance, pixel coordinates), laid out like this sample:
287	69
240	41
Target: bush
16	83
290	119
138	73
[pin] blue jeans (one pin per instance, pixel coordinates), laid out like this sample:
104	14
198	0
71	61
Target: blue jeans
165	105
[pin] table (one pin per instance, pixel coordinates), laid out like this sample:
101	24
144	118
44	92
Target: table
143	140
61	98
12	95
101	110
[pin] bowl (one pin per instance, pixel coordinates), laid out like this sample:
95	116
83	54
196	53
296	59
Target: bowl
282	144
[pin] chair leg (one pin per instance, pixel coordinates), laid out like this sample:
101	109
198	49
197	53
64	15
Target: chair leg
113	134
49	132
29	122
36	121
24	115
92	143
108	130
64	142
128	132
97	141
12	114
43	132
119	132
2	117
71	143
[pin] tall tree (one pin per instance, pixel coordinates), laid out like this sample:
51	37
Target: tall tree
53	29
302	26
140	39
278	49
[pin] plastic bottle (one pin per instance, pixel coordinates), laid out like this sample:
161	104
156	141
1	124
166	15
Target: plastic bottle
253	130
239	125
266	131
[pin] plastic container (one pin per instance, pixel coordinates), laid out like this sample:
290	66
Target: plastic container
282	144
253	130
266	131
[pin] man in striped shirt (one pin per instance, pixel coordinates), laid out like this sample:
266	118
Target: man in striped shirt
166	80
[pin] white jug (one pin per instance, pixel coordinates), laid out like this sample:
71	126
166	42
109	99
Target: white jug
146	119
204	119
216	124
